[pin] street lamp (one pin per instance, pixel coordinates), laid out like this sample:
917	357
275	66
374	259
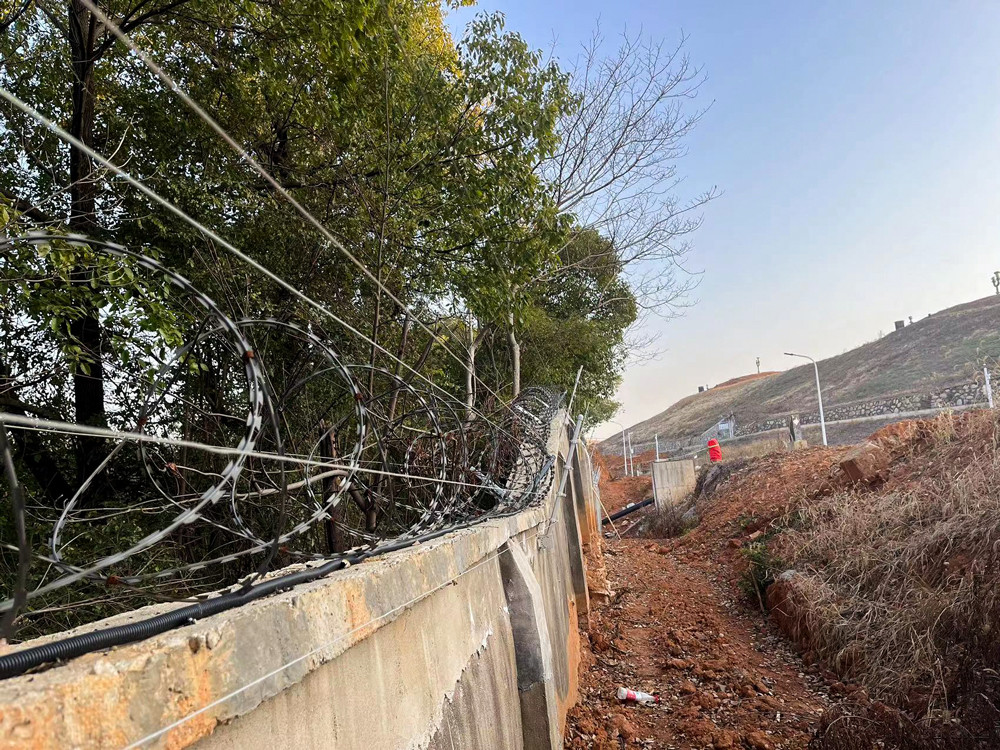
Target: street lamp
624	450
819	393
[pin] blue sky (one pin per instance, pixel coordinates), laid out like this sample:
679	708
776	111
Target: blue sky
857	149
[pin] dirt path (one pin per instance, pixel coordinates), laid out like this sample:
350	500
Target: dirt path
726	678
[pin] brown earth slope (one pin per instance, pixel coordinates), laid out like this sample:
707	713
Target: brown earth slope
876	563
935	352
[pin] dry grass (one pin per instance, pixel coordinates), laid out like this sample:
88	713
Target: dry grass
666	523
754	448
902	585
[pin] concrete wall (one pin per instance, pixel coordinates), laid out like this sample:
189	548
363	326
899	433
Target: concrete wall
672	481
469	641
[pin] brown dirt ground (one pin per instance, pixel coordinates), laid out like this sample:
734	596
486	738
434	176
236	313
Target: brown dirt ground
678	626
752	499
725	676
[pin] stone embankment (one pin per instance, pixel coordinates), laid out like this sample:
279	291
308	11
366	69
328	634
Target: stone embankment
961	395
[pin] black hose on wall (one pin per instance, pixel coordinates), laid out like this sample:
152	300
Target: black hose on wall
19	662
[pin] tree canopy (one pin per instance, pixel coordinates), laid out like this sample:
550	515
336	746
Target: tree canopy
465	212
429	160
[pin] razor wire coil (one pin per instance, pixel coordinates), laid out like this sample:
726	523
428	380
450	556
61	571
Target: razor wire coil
232	446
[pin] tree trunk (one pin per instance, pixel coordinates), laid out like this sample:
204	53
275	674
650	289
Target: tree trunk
83	216
399	366
470	375
376	322
515	357
88	387
470	371
334	533
29	447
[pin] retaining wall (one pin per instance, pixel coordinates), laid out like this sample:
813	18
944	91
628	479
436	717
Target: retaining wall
894	408
469	641
840	432
962	395
672	481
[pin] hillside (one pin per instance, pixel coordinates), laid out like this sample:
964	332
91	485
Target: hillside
876	563
943	349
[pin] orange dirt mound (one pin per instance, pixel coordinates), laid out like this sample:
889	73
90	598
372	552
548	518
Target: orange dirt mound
745	379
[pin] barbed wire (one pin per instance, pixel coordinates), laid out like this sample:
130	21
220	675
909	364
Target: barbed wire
175	87
229	448
215	237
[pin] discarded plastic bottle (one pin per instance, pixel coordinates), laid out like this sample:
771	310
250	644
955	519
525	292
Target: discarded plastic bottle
636	696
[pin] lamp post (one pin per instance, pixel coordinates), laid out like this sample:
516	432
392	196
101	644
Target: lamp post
624	449
819	392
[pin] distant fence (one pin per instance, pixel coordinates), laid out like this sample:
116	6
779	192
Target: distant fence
962	396
967	394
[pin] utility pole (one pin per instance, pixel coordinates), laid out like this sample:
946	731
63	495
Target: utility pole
819	392
996	281
758	365
624	449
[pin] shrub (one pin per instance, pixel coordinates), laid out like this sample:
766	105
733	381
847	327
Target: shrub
762	567
669	522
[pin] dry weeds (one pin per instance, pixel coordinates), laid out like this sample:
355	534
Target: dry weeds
902	585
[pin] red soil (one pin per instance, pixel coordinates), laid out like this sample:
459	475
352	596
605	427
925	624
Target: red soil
618	491
726	679
745	379
676	627
679	625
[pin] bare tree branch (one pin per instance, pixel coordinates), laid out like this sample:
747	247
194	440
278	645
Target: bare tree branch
616	169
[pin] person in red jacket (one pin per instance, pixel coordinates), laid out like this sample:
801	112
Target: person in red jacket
714	451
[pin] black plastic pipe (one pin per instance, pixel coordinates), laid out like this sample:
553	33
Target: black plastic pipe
19	662
629	509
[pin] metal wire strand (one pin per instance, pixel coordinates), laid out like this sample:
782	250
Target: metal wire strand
247	445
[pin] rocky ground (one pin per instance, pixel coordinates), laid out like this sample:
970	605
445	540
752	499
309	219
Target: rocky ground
725	677
678	626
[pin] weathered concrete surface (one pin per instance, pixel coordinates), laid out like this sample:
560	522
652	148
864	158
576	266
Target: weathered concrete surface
588	504
414	649
589	512
532	651
672	481
456	645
